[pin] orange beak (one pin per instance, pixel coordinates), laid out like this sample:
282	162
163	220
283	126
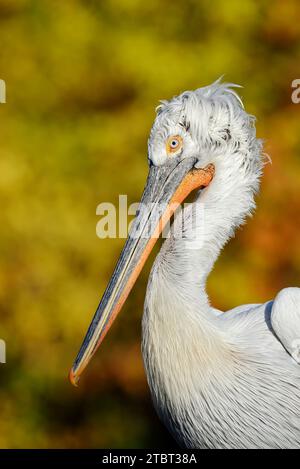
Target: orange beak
167	186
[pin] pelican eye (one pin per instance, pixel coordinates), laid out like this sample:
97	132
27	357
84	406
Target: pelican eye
174	144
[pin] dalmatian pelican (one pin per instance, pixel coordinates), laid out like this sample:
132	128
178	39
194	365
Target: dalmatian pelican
218	380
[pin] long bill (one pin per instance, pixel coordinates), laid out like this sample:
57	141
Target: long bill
167	186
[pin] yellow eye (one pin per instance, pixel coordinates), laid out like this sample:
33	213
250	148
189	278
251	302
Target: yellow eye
174	144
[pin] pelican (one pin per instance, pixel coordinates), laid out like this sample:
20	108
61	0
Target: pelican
218	380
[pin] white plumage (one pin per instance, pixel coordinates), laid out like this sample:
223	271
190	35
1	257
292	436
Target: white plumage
218	380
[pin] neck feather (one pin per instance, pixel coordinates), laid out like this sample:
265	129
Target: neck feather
199	233
176	290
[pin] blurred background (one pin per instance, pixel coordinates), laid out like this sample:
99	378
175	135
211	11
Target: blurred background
83	78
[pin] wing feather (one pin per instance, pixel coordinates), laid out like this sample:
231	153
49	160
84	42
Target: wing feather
285	320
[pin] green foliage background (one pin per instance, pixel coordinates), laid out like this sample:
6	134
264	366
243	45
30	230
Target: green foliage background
83	79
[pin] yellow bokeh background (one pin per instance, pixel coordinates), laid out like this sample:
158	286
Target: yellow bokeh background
83	79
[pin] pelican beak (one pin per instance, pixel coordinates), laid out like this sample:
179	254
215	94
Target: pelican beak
167	186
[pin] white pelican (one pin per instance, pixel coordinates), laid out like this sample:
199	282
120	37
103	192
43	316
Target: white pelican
229	380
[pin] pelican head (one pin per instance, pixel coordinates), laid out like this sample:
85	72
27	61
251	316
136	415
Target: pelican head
201	139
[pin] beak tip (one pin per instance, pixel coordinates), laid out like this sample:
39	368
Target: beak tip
73	378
